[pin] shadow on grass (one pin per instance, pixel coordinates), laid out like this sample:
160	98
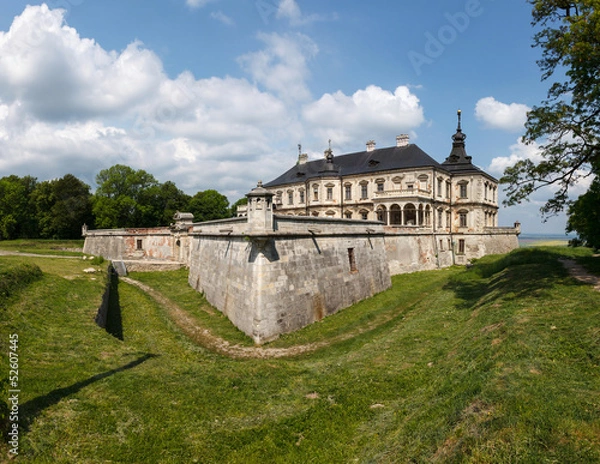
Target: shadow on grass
523	273
33	408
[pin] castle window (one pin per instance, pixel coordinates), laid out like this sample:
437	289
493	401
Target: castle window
352	260
363	191
441	245
315	192
462	218
463	189
348	214
348	192
139	244
440	218
447	189
290	197
302	199
380	186
439	187
364	215
330	193
461	246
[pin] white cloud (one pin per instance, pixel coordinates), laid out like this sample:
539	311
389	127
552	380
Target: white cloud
498	115
371	113
289	9
518	152
222	17
56	75
282	67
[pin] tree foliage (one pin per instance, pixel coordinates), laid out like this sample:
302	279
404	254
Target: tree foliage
121	197
17	219
124	198
568	122
584	216
209	205
62	207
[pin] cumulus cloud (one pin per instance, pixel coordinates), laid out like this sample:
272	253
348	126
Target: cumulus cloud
282	67
369	113
498	115
68	105
56	75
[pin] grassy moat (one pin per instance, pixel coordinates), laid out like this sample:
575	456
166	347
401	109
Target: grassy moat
492	364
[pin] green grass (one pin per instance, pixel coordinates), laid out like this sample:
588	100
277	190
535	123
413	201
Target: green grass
44	247
496	363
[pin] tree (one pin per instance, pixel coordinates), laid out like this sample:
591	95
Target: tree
17	218
584	216
63	206
209	205
568	121
162	202
119	199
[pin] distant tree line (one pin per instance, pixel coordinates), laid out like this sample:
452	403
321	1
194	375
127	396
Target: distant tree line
124	198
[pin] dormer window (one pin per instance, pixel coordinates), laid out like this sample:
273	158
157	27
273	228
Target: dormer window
373	163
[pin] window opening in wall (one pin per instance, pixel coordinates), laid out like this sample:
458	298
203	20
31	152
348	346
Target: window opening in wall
462	219
301	196
290	198
316	193
447	189
380	187
363	191
352	260
330	193
461	246
463	190
139	244
441	245
364	215
348	192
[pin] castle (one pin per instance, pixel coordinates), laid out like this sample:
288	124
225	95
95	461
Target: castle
326	234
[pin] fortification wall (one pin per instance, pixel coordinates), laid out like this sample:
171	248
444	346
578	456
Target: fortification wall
280	283
421	251
157	243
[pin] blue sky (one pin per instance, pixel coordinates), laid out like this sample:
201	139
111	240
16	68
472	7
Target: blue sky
219	93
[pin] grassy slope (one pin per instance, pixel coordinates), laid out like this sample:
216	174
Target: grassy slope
498	363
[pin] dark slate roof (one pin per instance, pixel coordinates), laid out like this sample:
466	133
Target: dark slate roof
363	162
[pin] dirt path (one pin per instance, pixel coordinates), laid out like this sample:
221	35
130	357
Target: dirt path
207	339
35	255
579	272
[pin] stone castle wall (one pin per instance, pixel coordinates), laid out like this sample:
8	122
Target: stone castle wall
272	285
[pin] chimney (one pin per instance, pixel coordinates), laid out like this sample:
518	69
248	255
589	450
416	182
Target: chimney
402	140
371	145
303	158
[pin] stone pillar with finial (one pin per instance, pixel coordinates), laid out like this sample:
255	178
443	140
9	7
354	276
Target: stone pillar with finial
260	209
